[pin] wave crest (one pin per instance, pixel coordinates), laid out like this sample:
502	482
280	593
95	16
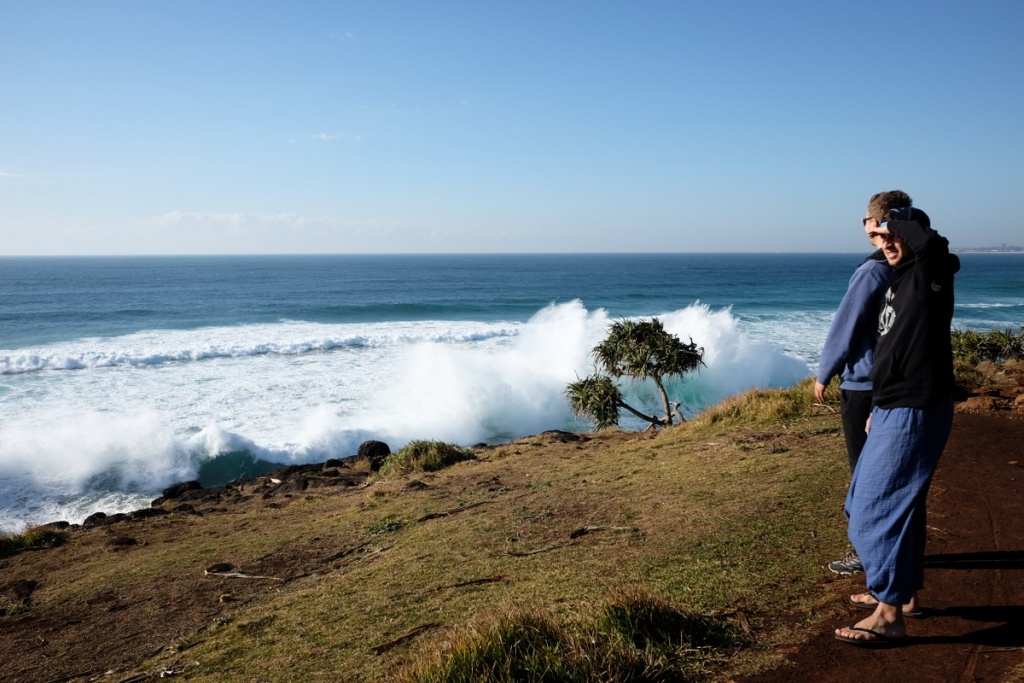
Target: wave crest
287	339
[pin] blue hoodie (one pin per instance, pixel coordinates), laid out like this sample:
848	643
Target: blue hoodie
849	349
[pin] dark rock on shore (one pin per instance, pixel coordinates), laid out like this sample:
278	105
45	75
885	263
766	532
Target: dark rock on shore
375	452
336	474
280	483
146	513
103	519
176	491
561	436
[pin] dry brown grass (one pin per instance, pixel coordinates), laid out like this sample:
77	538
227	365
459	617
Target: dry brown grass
727	516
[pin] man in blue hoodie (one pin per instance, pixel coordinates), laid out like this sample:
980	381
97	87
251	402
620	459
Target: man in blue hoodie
849	350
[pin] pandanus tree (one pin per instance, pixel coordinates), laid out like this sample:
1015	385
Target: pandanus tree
636	350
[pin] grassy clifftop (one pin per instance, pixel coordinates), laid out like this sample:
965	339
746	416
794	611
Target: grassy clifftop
721	525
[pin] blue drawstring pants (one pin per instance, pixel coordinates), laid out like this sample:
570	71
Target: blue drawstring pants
885	504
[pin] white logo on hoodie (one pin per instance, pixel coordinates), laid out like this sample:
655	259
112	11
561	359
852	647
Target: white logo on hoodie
888	315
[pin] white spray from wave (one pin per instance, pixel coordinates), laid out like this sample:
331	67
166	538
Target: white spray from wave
148	426
734	362
478	394
468	395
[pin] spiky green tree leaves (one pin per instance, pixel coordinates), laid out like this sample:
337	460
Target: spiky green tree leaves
636	350
972	346
595	397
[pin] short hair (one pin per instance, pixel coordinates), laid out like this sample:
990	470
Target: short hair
882	203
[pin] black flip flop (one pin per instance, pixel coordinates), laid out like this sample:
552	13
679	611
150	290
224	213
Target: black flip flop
879	640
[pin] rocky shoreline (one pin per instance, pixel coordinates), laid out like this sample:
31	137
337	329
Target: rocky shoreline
192	498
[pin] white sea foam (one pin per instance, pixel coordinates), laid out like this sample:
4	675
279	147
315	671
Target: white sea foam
990	304
286	339
112	435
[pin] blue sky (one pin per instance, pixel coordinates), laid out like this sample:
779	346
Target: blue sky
497	126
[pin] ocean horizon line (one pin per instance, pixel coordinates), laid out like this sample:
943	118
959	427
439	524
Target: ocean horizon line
448	254
1009	250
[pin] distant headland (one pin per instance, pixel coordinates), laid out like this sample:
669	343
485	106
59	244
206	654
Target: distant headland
1004	249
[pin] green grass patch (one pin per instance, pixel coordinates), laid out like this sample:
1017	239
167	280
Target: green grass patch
15	610
386	526
760	407
636	637
36	538
424	456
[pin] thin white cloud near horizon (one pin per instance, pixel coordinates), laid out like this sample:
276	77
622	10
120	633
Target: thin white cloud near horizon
260	233
350	137
241	222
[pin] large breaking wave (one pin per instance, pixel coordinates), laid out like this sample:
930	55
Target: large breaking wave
149	409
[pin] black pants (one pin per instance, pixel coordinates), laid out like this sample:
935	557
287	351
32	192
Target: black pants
854	407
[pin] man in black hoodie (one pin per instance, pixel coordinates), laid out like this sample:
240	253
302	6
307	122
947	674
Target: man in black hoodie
908	428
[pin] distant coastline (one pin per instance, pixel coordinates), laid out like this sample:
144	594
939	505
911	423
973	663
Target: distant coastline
1004	249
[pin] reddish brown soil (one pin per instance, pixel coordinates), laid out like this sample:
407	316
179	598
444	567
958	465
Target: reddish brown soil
974	580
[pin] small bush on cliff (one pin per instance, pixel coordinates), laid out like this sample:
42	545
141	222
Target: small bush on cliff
760	407
35	538
974	347
424	456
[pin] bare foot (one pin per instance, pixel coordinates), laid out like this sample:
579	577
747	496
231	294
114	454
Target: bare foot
911	609
884	626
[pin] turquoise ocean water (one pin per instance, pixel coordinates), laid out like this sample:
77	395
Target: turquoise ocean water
121	376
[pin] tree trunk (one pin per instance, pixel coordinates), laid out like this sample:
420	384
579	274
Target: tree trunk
655	421
664	400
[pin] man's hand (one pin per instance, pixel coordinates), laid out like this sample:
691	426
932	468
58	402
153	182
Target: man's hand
819	392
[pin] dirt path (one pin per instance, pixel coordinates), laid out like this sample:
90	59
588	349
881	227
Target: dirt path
974	576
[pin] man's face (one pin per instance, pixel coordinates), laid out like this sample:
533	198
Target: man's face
893	248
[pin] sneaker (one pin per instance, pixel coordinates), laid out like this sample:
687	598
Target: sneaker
850	564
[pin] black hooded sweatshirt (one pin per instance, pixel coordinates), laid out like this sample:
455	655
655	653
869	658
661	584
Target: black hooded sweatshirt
914	359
